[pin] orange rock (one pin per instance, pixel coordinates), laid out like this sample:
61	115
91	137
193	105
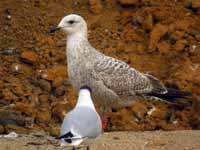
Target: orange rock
45	85
196	4
110	50
182	25
95	6
30	56
16	128
159	113
178	34
8	95
180	45
54	72
60	108
54	130
139	110
155	36
163	47
18	90
44	99
43	115
128	2
1	129
124	120
60	91
130	35
21	68
24	108
148	22
57	82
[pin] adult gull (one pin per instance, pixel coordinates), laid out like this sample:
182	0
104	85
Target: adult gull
83	122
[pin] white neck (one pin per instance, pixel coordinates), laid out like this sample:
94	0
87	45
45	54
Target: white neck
84	99
76	40
78	36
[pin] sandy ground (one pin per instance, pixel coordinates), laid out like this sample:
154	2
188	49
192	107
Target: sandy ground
161	38
157	140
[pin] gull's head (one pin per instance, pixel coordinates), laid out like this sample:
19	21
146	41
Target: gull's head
85	91
86	88
72	24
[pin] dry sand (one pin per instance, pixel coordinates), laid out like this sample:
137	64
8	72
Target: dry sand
154	140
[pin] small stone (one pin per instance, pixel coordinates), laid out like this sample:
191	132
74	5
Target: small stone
180	45
30	57
9	51
54	72
155	36
34	100
196	4
57	82
54	130
8	17
59	109
18	90
43	115
96	6
20	68
60	90
43	99
11	117
18	129
139	110
24	108
8	96
177	35
45	85
159	142
52	98
128	2
1	129
163	47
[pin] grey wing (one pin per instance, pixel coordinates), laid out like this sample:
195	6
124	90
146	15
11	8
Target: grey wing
82	121
123	79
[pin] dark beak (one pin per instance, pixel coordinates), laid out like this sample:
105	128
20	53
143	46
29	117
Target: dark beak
54	29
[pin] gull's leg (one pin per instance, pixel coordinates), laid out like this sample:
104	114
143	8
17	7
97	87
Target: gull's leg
104	118
73	148
87	147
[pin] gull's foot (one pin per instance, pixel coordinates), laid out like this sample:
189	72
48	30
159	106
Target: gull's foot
104	122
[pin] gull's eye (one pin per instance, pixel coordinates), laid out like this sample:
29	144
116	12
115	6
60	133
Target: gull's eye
71	21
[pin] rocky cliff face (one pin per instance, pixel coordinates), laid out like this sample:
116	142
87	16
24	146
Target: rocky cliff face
158	37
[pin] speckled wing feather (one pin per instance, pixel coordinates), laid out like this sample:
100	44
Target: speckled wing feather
124	80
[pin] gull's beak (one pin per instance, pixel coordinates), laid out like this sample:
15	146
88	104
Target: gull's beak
54	29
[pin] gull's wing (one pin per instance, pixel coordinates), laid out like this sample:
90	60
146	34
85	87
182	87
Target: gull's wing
123	79
82	122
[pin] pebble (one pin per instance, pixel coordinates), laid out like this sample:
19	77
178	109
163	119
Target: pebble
128	2
57	82
43	99
60	91
10	51
20	68
11	117
29	57
11	135
45	85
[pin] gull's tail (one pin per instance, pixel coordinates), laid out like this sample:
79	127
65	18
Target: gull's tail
171	95
169	92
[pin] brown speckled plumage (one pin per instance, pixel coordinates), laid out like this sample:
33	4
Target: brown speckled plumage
111	80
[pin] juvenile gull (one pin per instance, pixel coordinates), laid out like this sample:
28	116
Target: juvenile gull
113	81
82	122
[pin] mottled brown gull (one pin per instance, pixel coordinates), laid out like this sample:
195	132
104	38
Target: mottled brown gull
113	81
